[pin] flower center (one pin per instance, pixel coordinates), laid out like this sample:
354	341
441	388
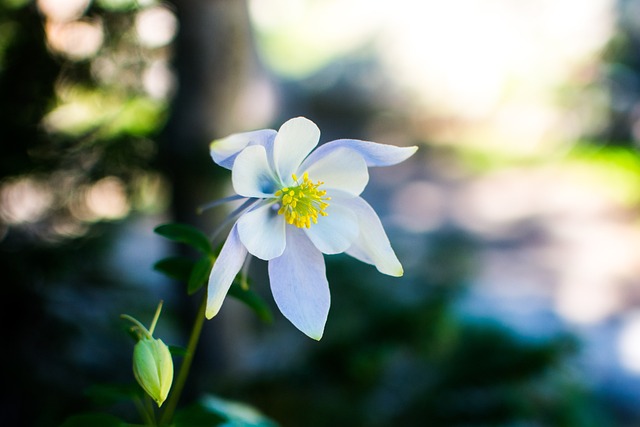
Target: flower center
302	203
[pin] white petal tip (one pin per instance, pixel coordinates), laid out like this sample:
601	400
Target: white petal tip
317	336
393	272
213	145
209	314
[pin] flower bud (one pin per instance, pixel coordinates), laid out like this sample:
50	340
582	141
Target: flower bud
153	368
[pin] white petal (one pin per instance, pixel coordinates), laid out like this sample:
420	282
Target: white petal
251	175
262	231
299	284
340	169
224	150
224	270
373	153
295	140
335	232
372	245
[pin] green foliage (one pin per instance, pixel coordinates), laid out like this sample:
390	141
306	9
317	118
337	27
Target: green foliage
196	273
196	415
186	234
199	274
211	411
235	414
175	267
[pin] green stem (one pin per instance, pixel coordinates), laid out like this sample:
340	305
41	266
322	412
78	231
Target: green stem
150	411
155	318
145	411
139	326
178	386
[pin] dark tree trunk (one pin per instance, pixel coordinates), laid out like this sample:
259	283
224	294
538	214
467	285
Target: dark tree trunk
214	56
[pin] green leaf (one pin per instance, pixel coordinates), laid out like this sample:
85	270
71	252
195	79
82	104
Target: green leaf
199	274
197	416
110	394
187	234
176	267
237	414
93	419
177	350
253	300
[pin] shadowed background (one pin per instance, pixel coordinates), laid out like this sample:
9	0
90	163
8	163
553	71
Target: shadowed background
516	221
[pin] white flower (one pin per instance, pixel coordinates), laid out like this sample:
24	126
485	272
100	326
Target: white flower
300	204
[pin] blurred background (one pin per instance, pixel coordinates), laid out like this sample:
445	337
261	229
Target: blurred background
517	221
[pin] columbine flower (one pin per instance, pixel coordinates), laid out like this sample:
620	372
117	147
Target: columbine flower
299	205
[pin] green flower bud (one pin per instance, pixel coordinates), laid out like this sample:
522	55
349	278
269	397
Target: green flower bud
153	368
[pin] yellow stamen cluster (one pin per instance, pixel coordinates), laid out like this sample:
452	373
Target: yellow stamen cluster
302	204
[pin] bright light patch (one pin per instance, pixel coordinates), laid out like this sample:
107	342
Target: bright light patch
156	26
477	72
76	40
107	199
629	343
24	200
62	10
158	80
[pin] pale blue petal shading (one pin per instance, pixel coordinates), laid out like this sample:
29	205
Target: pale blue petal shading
218	202
372	244
224	151
294	141
251	174
299	284
262	231
342	169
334	233
224	270
235	214
373	153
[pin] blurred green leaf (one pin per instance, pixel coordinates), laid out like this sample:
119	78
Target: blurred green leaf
197	416
176	267
187	234
94	420
237	414
138	116
82	109
177	350
109	394
253	300
199	274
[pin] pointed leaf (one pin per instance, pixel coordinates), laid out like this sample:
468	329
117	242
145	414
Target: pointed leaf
176	267
253	300
199	274
187	234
